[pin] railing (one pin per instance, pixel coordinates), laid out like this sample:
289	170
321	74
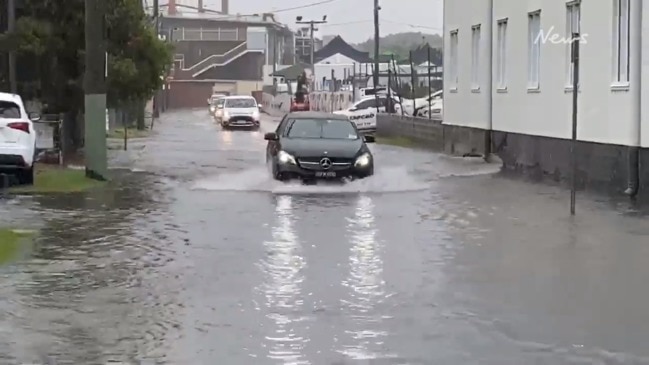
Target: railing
49	132
210	61
210	34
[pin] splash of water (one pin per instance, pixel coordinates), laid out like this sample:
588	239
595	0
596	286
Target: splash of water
385	180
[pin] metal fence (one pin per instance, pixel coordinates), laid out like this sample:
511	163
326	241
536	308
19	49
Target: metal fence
49	137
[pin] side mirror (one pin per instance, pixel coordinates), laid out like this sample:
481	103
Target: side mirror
34	117
259	106
369	139
271	136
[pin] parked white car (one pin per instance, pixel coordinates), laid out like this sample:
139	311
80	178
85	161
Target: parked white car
363	112
240	111
213	100
436	106
17	138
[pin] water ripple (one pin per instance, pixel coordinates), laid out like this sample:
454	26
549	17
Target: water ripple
90	289
283	267
366	285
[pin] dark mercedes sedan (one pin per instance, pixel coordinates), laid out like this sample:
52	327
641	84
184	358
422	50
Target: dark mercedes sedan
314	145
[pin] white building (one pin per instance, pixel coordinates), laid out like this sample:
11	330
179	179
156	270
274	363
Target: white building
511	62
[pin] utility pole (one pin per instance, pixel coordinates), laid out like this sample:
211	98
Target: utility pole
95	90
11	26
275	44
156	18
312	28
377	35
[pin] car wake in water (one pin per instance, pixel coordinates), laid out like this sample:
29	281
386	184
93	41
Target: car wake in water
385	180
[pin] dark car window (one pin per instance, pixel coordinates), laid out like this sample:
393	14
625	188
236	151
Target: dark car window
240	103
9	110
322	128
281	126
366	104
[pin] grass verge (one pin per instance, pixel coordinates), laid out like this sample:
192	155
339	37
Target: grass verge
397	141
58	179
10	243
130	133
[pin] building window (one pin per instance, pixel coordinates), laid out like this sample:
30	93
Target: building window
573	17
534	50
621	41
475	60
501	56
453	77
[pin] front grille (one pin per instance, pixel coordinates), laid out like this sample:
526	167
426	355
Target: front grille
333	160
241	118
314	163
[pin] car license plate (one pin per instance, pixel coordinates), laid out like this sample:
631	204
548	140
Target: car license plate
325	174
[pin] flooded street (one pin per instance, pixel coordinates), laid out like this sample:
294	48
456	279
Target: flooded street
197	257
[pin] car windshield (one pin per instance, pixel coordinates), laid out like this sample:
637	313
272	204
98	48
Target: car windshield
241	103
9	110
322	128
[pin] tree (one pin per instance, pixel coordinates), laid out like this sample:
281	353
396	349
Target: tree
51	34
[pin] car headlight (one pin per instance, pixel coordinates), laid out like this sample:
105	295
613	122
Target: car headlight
255	115
286	158
226	115
363	160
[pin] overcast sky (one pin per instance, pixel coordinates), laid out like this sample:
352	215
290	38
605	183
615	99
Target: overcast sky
352	19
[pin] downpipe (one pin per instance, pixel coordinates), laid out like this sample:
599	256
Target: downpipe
633	179
488	150
633	154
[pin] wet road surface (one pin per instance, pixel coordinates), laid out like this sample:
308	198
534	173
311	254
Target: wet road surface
197	257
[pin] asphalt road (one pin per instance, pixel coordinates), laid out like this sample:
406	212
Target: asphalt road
197	258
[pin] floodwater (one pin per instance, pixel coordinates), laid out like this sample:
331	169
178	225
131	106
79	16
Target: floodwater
195	256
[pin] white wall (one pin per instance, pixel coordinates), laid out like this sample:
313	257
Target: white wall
644	132
464	106
605	114
268	70
337	63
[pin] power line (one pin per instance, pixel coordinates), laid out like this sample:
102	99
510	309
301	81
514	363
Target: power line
348	23
412	25
303	6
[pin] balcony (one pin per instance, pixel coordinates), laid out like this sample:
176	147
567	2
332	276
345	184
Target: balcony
211	34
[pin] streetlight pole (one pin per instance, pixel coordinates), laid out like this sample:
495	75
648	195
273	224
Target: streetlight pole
95	90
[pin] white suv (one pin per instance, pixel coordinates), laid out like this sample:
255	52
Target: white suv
17	138
240	112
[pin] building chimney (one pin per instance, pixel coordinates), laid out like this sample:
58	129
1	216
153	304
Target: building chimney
201	8
225	6
171	7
